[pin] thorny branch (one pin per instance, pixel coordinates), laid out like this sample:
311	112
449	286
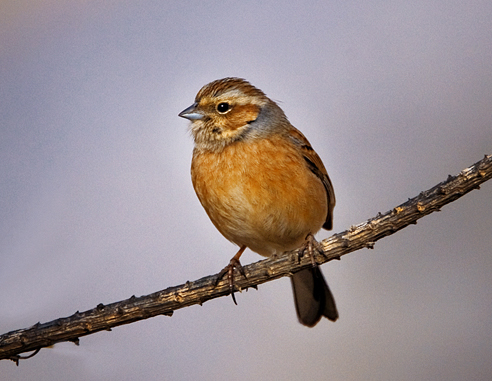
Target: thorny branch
165	302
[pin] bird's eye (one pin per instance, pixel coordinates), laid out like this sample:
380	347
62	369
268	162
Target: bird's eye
223	107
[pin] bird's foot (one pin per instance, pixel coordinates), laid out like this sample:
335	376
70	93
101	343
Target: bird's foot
229	270
310	246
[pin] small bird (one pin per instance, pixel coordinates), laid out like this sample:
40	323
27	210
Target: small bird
262	184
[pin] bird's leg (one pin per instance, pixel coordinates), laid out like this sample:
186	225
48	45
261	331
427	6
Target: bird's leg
311	245
229	270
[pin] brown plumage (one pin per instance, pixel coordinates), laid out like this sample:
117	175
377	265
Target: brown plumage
261	183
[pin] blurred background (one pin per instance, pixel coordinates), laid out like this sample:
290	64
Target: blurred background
96	201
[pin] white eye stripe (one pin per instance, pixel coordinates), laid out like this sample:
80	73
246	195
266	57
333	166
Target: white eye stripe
239	98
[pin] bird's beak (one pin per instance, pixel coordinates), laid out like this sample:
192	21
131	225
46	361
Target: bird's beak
191	113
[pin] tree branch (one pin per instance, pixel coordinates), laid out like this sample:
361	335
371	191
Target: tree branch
363	235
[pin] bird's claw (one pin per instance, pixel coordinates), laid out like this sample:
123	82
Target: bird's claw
229	270
310	246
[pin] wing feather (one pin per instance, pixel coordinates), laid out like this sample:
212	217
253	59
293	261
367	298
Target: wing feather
316	166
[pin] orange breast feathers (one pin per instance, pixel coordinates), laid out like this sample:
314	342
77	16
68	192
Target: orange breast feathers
260	193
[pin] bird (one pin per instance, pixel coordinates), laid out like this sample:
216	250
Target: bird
261	184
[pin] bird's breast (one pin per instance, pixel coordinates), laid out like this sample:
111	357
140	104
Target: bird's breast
260	194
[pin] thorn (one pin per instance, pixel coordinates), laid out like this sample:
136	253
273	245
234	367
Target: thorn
76	341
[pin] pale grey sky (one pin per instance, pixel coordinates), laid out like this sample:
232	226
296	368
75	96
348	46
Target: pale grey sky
96	201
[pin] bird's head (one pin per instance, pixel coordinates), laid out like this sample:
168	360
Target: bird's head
230	109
